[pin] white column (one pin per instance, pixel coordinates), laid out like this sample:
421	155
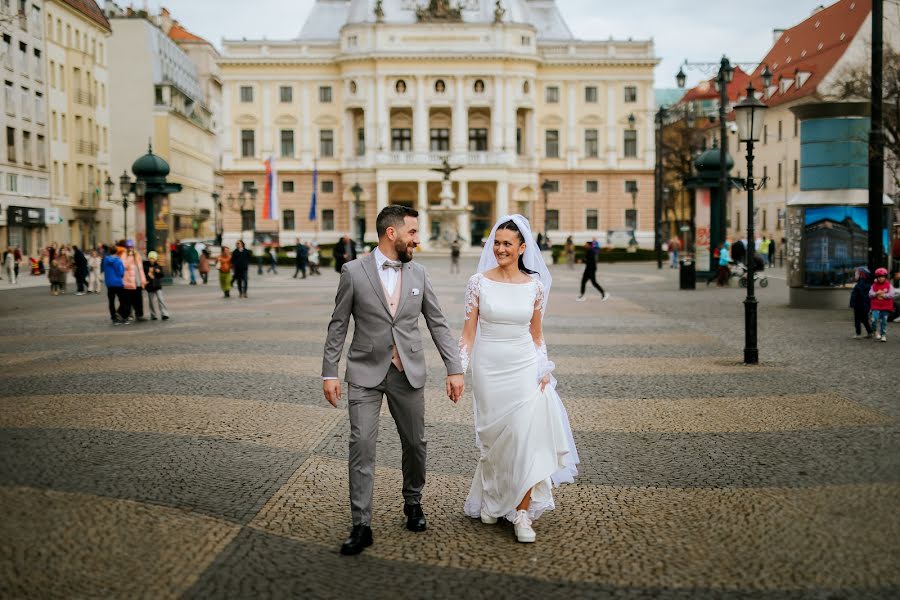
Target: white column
612	126
572	129
497	116
463	226
383	116
267	124
381	195
420	118
460	119
370	121
348	138
424	220
509	117
502	198
649	128
229	145
306	132
531	135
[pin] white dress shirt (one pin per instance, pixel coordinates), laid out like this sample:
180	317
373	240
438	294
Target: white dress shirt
389	277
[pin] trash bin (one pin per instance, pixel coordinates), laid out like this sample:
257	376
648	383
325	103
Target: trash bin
687	275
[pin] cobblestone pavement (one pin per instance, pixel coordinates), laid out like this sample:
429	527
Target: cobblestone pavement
196	458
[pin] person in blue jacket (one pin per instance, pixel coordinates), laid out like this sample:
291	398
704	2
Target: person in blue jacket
113	270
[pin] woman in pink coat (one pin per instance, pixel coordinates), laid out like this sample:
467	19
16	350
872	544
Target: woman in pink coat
133	281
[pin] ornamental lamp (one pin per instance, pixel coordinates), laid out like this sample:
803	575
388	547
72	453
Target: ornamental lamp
766	78
680	78
125	184
749	115
727	70
109	187
140	187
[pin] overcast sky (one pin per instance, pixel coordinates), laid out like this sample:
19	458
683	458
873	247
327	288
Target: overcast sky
697	30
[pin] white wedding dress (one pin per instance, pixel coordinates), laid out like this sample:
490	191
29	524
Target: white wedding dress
523	433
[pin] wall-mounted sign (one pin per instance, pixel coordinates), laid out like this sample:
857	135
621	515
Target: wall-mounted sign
23	216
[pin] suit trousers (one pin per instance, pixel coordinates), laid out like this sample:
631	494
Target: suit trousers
407	406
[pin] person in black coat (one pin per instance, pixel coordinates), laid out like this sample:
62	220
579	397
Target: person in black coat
738	252
344	251
590	272
81	270
859	302
302	259
240	265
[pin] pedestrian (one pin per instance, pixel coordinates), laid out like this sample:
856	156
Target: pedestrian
113	271
9	264
301	259
569	250
314	259
273	261
895	283
225	265
64	265
81	270
895	249
240	265
674	248
155	299
859	302
724	272
258	251
192	258
54	274
19	259
739	251
590	273
94	261
764	250
203	266
133	281
455	250
771	252
344	251
881	294
176	257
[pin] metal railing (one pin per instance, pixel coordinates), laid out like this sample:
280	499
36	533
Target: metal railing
85	147
89	199
85	98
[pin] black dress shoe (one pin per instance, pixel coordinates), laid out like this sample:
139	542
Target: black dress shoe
360	539
415	518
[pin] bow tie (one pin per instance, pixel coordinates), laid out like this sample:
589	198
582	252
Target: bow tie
392	264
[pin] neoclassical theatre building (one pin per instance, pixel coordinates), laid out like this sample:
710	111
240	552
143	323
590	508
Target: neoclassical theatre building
374	95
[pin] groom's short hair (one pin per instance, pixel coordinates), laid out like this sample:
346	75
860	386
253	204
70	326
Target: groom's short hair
393	216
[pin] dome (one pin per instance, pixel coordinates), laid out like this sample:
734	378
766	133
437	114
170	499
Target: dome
708	162
150	167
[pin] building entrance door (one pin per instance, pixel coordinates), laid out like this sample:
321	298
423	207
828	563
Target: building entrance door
482	221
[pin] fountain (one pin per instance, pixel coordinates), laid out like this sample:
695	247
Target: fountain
447	213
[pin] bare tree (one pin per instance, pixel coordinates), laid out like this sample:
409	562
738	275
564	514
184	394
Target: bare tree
854	82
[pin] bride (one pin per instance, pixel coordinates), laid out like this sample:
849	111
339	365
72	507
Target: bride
521	426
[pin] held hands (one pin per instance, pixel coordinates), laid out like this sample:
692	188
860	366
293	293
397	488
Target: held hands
455	386
332	390
544	381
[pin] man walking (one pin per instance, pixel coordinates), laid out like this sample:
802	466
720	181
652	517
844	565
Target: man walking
301	259
344	251
240	264
192	258
113	271
81	271
590	273
385	293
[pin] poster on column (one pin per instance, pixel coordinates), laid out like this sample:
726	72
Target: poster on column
702	224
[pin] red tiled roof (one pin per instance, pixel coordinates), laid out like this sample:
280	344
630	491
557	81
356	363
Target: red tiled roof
180	34
813	46
706	90
90	10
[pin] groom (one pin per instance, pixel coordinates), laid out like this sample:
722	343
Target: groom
385	292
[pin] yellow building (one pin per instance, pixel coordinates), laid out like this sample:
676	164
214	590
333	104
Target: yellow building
76	35
379	93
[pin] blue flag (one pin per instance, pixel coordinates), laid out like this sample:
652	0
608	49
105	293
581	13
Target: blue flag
315	185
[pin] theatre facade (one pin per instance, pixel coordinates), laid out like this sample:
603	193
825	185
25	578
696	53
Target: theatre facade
375	99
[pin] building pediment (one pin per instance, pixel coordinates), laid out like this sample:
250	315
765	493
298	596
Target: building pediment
326	121
246	120
551	120
591	120
285	120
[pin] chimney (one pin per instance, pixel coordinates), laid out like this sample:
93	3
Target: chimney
776	34
817	9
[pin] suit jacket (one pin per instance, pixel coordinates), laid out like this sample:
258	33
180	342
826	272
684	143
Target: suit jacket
361	294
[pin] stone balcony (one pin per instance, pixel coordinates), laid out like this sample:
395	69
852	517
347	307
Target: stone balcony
432	158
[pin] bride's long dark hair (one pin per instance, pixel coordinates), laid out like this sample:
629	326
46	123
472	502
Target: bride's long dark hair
511	226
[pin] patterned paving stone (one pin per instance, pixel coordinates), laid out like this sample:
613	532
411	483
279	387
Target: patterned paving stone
220	478
696	538
68	545
277	425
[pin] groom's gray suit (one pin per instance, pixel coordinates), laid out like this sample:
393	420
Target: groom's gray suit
371	371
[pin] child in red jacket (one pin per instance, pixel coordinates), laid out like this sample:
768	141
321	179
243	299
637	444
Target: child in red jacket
882	297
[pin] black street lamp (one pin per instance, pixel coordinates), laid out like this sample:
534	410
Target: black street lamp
750	114
633	190
357	191
546	187
245	198
126	187
661	115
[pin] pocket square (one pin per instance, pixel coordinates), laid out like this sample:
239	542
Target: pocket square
414	292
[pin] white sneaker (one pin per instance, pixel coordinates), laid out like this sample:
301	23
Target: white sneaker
522	525
488	520
884	338
580	299
605	298
857	337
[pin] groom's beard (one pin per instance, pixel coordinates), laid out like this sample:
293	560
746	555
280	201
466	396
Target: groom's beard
404	252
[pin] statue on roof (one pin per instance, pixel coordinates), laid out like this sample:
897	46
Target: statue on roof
499	11
379	12
439	10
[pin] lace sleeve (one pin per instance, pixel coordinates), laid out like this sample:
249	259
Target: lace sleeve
472	293
539	295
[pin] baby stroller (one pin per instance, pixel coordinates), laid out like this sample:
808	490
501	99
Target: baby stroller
740	270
